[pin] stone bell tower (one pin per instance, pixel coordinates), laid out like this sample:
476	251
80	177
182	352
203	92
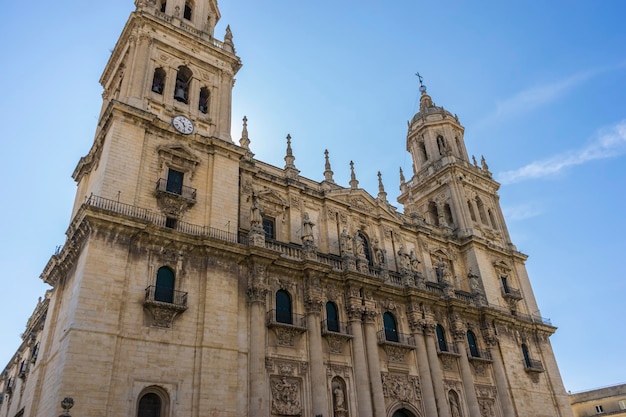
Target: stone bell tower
166	115
446	189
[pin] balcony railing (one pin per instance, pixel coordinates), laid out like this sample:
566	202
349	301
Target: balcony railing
447	349
386	336
285	318
533	365
183	191
479	354
165	295
513	293
335	327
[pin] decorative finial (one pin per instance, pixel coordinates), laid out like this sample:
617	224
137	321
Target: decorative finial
354	184
422	86
402	180
328	173
290	167
228	40
245	141
382	195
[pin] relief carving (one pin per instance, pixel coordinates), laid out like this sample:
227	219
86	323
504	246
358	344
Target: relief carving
401	387
286	393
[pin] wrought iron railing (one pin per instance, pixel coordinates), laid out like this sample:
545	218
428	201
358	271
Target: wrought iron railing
447	348
388	336
166	295
285	318
183	191
334	326
512	293
476	353
533	365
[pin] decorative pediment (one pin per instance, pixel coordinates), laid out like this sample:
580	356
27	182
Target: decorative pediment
178	156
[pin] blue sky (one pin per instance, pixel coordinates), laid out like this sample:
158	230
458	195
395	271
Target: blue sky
539	86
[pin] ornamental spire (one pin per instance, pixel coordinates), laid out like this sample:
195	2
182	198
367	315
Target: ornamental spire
354	184
328	173
382	195
290	167
245	141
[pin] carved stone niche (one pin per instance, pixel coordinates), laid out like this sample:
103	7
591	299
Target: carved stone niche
286	395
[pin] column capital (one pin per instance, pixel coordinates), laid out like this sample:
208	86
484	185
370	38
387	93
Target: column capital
355	312
369	315
429	327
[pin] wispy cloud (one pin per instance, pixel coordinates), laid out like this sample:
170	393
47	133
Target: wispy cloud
521	212
540	95
609	142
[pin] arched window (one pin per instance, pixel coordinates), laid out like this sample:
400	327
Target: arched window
481	210
433	213
163	4
391	328
447	211
203	102
492	219
422	148
283	307
183	79
158	81
165	281
402	413
473	347
153	402
332	318
527	361
149	405
188	10
441	144
470	206
441	339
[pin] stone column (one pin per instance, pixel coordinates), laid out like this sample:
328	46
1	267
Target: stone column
319	388
373	361
138	74
224	109
363	396
435	370
426	382
258	404
502	383
466	374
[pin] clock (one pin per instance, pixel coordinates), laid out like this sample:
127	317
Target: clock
183	125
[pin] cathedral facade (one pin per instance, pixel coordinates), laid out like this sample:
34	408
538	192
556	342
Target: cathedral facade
196	280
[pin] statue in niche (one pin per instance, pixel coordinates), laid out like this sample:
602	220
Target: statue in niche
414	262
440	270
339	397
307	229
379	253
256	219
358	244
473	281
346	243
403	258
454	407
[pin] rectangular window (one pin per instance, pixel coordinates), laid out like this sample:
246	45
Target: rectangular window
174	182
599	409
268	228
505	284
622	405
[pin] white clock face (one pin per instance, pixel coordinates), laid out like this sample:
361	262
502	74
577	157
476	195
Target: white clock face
182	124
